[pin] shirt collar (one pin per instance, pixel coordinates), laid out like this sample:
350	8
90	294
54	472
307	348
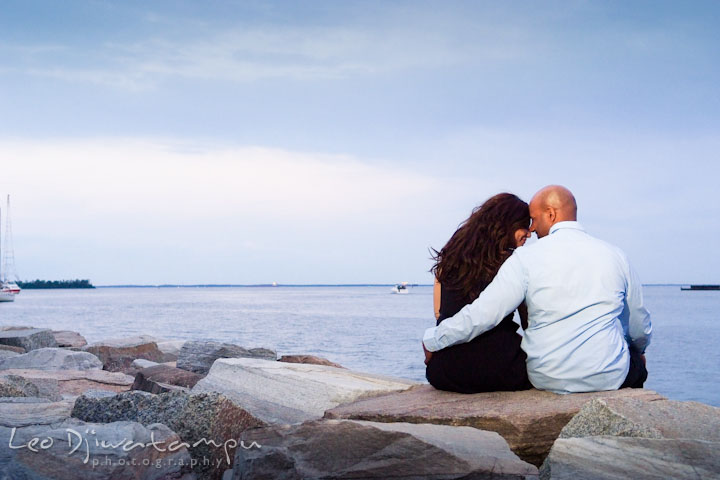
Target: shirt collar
569	224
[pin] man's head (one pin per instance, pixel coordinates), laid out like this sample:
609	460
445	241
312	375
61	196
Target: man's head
552	204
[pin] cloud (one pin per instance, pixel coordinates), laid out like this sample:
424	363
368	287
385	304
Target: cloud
171	181
244	53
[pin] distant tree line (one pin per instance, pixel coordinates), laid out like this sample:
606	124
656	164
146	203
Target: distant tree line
38	284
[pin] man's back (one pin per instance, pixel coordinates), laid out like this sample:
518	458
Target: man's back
583	302
575	296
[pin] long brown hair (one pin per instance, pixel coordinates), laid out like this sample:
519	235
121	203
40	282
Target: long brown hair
470	259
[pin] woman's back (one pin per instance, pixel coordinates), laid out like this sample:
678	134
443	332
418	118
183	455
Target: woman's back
492	361
465	266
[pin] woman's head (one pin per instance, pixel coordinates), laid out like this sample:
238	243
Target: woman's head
474	253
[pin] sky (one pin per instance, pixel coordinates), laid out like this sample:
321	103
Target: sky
243	142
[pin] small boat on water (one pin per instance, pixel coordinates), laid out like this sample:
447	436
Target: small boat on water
8	288
700	287
401	288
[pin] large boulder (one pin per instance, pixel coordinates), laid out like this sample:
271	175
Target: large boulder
621	458
310	359
28	338
278	392
198	420
199	356
118	354
25	411
629	417
163	378
605	439
529	420
73	382
52	359
69	339
347	449
74	450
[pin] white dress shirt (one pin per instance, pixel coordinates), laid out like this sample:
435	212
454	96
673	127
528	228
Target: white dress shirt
584	306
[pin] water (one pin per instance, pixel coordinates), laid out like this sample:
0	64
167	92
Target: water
362	328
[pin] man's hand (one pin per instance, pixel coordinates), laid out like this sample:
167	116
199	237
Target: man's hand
428	354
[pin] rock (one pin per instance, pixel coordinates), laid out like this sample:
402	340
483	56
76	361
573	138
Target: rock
212	417
199	356
603	439
163	378
529	420
118	354
309	359
68	339
73	382
620	458
28	338
8	348
277	392
627	417
171	347
141	363
22	412
119	451
7	354
348	449
52	359
18	386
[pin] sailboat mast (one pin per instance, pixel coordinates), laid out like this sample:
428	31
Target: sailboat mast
2	278
8	263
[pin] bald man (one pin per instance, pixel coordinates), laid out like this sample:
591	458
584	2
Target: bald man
587	326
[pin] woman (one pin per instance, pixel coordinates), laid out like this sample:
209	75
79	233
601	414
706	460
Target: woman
466	265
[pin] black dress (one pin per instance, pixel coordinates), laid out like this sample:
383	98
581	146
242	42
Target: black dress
492	361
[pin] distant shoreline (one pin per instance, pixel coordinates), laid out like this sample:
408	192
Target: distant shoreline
268	285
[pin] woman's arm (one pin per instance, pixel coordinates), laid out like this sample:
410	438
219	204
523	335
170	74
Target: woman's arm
436	298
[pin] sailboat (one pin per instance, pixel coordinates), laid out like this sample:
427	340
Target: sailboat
8	288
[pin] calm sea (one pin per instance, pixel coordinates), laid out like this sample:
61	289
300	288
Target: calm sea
362	328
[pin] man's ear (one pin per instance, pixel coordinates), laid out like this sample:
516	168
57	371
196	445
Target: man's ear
552	215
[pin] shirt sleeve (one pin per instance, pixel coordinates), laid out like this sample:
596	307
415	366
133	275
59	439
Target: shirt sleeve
500	298
635	318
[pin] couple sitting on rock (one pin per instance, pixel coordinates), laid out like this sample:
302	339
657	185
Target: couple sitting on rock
580	304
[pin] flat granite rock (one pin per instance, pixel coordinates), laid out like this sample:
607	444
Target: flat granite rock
28	338
69	339
118	354
52	359
33	411
73	382
529	420
164	378
197	418
278	392
326	449
601	441
199	356
623	458
73	450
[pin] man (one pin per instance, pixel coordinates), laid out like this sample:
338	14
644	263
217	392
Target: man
587	326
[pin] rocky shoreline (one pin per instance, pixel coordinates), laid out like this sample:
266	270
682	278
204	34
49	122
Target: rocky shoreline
147	408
